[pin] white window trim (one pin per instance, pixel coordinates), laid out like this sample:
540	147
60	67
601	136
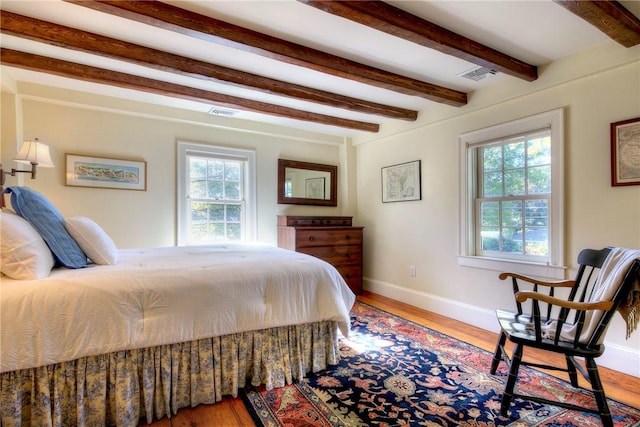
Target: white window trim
183	149
555	268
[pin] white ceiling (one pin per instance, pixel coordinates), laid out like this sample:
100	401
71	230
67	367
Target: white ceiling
536	32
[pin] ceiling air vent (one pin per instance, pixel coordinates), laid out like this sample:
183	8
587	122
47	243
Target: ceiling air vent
477	74
216	111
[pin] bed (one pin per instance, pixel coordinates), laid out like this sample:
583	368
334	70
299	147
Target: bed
162	329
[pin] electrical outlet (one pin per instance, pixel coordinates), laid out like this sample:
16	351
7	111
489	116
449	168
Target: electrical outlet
412	270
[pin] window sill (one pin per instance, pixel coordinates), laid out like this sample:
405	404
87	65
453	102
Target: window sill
504	265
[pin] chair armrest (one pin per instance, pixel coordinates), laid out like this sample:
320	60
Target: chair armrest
555	283
600	305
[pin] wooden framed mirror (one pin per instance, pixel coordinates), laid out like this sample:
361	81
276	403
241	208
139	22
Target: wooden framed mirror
304	183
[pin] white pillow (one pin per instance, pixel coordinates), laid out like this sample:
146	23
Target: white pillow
23	253
92	239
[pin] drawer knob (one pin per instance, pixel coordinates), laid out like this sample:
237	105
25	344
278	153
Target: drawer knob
348	237
312	238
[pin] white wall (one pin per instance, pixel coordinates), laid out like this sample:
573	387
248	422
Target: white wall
424	233
148	218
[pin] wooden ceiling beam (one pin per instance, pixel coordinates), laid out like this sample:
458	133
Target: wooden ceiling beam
391	20
169	17
70	38
14	58
610	17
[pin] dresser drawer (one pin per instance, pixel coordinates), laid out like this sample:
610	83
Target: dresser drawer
322	237
335	255
351	273
305	221
353	276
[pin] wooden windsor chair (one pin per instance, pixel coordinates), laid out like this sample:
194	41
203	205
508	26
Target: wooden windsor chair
573	324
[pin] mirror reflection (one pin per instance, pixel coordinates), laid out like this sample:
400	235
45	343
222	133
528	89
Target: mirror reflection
304	183
309	184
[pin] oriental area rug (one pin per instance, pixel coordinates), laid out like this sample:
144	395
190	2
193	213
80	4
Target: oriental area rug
394	372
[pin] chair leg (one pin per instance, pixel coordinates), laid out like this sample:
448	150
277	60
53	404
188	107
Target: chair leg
497	355
507	395
571	370
598	391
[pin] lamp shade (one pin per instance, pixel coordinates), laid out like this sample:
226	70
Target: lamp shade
34	152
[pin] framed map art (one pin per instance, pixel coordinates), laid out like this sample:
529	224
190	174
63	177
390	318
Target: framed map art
401	183
625	152
314	188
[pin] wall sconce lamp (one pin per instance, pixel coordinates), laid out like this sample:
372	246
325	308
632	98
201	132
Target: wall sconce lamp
33	153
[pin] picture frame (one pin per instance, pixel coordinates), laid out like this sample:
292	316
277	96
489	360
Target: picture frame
625	152
105	172
401	182
315	188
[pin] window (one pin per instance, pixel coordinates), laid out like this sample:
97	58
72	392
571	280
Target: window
512	204
216	194
511	196
288	187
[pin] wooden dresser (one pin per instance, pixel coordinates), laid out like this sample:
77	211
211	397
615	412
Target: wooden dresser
330	238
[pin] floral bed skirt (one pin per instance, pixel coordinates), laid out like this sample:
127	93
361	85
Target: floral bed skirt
118	389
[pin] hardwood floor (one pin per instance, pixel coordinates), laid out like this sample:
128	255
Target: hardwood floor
231	412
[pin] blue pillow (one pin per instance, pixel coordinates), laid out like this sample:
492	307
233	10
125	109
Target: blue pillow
49	222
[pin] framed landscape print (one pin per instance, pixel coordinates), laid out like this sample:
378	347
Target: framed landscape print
103	172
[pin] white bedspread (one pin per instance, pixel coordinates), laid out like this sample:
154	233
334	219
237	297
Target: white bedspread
161	296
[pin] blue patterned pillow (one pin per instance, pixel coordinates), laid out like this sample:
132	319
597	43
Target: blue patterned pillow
49	222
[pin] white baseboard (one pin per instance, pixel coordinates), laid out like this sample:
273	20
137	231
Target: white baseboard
616	357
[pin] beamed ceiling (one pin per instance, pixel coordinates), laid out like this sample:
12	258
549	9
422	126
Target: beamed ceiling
335	67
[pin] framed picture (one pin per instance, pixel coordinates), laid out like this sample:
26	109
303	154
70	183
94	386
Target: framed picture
315	188
103	172
401	183
625	152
